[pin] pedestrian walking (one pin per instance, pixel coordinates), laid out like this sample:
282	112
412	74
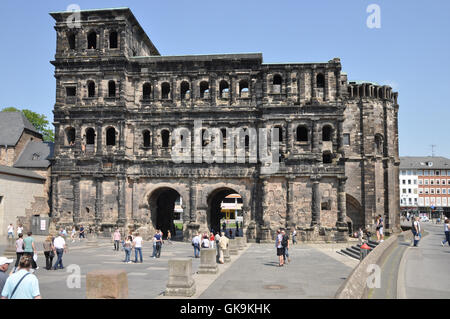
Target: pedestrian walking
20	245
446	232
4	265
196	242
169	237
116	238
294	237
222	245
63	233
48	252
30	249
416	231
237	229
216	240
127	246
231	234
73	234
22	284
11	231
285	244
205	241
154	247
379	229
159	241
224	226
59	245
280	250
19	229
81	233
137	245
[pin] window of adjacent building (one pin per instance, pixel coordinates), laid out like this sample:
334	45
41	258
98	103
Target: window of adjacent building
346	139
72	41
71	91
415	182
431	190
431	173
438	190
146	91
91	89
165	137
320	79
165	90
111	136
431	181
92	40
425	173
90	136
204	89
420	190
448	173
112	89
420	172
420	182
426	181
438	173
427	191
184	89
409	191
404	181
438	182
409	201
402	172
223	88
444	191
113	40
404	190
146	138
326	133
302	133
409	182
443	182
415	191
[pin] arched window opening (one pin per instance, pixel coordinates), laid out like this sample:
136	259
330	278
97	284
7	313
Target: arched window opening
204	89
165	90
113	40
302	133
204	139
70	136
111	136
280	133
320	80
165	136
327	133
184	88
90	136
92	40
146	91
224	134
247	141
378	144
72	41
243	88
146	138
224	88
277	80
91	89
327	158
112	89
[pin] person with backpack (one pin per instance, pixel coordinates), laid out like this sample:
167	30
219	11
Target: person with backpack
22	284
285	244
158	240
280	250
196	241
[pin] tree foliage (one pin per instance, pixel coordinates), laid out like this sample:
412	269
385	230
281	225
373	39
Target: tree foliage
39	121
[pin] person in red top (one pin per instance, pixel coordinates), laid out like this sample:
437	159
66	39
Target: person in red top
211	240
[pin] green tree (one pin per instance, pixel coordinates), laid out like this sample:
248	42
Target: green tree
39	121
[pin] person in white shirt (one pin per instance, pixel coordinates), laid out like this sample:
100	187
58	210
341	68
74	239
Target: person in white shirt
11	231
137	245
60	248
205	241
19	229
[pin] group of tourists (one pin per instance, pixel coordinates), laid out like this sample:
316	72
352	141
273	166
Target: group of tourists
209	240
10	231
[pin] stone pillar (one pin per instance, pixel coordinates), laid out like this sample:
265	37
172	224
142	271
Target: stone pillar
99	138
107	284
208	263
76	198
315	203
340	136
313	84
233	247
226	256
342	202
314	137
54	209
290	202
180	282
98	199
326	87
121	201
264	235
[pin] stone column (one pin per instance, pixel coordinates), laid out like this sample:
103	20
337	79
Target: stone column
313	84
290	202
122	218
76	198
342	203
326	87
315	203
208	264
107	284
180	281
337	74
98	199
314	137
54	210
99	138
340	135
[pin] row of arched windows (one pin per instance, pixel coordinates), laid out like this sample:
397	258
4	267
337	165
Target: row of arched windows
92	90
92	40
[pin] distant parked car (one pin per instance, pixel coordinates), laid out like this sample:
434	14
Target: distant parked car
424	219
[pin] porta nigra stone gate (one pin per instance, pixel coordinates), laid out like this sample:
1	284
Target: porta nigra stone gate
118	103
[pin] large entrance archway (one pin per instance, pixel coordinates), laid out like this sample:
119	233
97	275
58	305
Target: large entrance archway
355	214
165	204
225	206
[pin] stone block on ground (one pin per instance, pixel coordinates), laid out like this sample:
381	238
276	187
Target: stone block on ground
232	247
208	264
107	284
226	256
180	282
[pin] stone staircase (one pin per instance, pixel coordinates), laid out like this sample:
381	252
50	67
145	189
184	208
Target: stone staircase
354	251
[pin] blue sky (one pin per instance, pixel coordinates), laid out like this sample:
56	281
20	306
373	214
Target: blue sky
409	52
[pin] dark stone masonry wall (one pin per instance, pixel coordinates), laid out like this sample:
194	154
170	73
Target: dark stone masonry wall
117	109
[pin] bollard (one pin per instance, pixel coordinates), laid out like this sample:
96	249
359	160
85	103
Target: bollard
181	283
226	256
363	251
10	250
107	284
208	264
232	247
92	240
